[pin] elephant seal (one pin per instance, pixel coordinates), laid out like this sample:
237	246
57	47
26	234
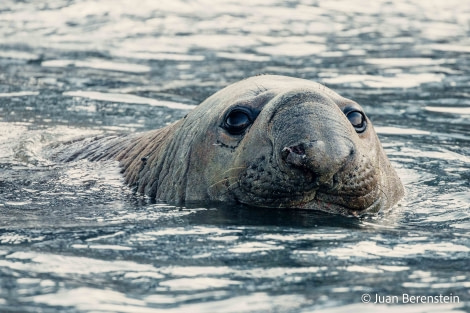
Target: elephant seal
266	141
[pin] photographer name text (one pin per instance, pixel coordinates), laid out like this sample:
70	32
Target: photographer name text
409	299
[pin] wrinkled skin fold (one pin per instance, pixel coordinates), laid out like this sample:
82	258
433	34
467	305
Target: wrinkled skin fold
266	141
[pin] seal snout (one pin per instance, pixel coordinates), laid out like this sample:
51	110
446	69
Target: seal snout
318	158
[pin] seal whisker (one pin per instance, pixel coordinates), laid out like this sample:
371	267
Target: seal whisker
234	168
222	181
379	187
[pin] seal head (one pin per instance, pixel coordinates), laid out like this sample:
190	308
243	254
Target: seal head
293	143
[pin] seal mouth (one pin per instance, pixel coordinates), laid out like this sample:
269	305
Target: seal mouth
335	208
301	188
328	207
315	199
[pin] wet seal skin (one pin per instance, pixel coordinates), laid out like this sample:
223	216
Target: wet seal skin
266	141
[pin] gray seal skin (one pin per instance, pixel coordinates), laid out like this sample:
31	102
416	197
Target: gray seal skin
266	141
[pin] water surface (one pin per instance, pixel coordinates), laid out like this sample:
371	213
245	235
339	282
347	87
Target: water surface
73	238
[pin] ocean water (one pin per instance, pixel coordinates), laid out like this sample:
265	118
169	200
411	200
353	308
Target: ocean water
74	238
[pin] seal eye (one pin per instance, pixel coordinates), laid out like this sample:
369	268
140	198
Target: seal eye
358	121
237	121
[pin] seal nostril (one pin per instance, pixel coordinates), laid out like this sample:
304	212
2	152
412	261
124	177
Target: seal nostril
285	153
295	155
293	152
299	149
